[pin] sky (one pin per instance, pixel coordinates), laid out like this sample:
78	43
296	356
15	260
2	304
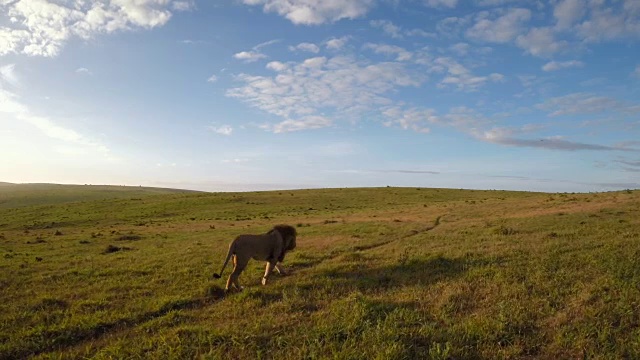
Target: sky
237	95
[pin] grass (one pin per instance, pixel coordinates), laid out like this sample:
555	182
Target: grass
18	195
389	273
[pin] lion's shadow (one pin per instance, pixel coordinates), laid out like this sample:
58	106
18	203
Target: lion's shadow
408	273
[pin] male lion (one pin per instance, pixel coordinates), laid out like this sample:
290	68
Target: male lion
270	247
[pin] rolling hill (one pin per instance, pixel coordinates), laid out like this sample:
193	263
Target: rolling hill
19	195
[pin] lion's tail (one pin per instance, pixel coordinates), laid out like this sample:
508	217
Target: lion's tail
229	254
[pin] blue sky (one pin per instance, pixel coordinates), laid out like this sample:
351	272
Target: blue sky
273	94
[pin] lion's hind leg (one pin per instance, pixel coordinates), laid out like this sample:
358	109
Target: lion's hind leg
280	269
238	266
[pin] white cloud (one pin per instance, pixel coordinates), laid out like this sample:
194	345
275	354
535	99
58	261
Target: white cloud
309	47
464	119
388	27
540	42
420	32
452	26
254	54
315	12
183	5
400	53
608	21
277	66
411	119
41	28
460	49
336	43
8	75
212	79
83	71
568	12
192	42
500	30
559	65
461	77
319	88
249	56
636	72
441	3
398	32
496	2
306	123
222	130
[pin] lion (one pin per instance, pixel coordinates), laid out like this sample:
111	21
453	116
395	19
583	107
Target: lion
270	247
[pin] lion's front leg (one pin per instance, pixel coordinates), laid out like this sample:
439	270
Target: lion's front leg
267	271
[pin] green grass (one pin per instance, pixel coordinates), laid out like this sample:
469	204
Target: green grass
388	273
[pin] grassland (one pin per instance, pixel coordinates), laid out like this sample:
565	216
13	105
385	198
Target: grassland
19	195
389	273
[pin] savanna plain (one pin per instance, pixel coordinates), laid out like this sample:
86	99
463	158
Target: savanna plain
378	273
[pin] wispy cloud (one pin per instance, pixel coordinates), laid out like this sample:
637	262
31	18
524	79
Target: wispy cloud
441	3
255	54
559	65
390	171
10	104
400	53
585	103
222	130
630	163
212	79
420	33
493	27
266	43
8	75
193	42
460	49
415	119
552	144
183	5
483	129
460	77
414	172
83	71
508	136
629	144
305	123
336	43
388	27
235	161
397	32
